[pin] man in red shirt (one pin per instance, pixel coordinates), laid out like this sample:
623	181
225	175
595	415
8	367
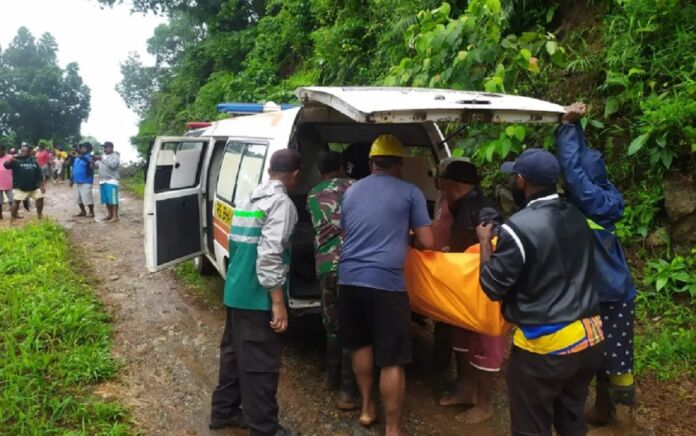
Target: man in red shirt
43	157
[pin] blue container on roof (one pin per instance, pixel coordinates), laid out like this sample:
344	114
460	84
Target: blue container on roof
253	108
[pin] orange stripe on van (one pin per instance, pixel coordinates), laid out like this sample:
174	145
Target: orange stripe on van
221	233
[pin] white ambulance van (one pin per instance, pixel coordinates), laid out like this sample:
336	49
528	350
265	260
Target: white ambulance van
195	181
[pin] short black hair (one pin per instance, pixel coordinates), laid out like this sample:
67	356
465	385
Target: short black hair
286	161
108	144
329	162
386	162
86	144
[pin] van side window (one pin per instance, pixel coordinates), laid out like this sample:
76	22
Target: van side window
227	178
250	171
178	165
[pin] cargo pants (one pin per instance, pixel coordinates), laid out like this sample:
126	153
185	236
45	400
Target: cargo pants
250	353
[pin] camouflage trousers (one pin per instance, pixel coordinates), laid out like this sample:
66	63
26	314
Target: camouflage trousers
329	304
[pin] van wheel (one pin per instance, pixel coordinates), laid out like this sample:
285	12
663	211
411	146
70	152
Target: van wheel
203	266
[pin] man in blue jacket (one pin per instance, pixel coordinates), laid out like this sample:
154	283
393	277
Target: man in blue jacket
82	180
588	187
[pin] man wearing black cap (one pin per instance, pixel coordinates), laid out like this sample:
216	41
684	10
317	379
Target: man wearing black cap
479	357
542	272
250	349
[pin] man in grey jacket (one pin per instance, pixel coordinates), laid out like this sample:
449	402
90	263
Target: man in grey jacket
109	180
250	350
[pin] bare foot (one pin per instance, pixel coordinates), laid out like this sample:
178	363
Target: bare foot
91	215
461	396
475	415
80	215
368	417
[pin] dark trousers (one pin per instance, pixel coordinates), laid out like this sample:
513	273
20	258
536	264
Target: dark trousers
249	363
548	390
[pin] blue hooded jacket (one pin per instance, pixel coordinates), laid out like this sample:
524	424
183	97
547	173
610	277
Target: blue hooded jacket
589	188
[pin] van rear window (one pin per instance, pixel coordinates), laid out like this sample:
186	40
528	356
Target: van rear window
240	171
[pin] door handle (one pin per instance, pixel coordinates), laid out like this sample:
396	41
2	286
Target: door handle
177	165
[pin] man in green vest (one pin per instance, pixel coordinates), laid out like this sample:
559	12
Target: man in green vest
250	349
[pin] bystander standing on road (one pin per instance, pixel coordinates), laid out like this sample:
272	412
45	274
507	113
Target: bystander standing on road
324	206
5	179
69	161
375	317
43	158
479	357
27	181
255	288
58	162
83	179
109	180
589	188
542	270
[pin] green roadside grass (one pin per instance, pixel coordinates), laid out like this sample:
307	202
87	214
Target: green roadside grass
135	184
54	340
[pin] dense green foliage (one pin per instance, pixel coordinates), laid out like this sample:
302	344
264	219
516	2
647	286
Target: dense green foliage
633	61
39	99
54	340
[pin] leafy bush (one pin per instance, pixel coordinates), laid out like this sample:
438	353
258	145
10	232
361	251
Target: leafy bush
674	276
642	206
651	64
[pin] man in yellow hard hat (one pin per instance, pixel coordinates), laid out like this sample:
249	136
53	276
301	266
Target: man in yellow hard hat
374	313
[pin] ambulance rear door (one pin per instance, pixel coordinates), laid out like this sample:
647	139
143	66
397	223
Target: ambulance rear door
174	202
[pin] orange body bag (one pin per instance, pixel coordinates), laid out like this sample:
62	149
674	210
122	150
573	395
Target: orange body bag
445	287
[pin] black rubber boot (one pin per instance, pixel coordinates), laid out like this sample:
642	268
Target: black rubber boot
623	399
332	376
348	395
623	395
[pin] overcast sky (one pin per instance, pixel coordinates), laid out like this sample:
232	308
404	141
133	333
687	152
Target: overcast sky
98	40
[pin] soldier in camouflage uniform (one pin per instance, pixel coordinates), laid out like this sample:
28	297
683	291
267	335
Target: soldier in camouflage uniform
324	206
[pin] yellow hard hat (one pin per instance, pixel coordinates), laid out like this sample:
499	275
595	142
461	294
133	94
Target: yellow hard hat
387	145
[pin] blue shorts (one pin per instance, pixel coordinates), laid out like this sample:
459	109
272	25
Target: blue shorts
108	194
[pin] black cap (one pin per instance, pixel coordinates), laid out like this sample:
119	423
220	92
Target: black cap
286	161
536	165
461	171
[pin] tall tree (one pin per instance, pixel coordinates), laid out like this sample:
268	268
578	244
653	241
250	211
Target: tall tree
39	99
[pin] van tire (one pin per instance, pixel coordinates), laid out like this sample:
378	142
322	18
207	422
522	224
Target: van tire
203	266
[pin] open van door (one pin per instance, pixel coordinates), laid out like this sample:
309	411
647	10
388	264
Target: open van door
173	204
409	105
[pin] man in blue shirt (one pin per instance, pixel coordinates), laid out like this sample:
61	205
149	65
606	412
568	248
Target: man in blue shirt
374	312
82	179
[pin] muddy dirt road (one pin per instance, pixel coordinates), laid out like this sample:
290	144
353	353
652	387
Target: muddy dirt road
166	334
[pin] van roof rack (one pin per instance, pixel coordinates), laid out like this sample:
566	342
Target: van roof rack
253	108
